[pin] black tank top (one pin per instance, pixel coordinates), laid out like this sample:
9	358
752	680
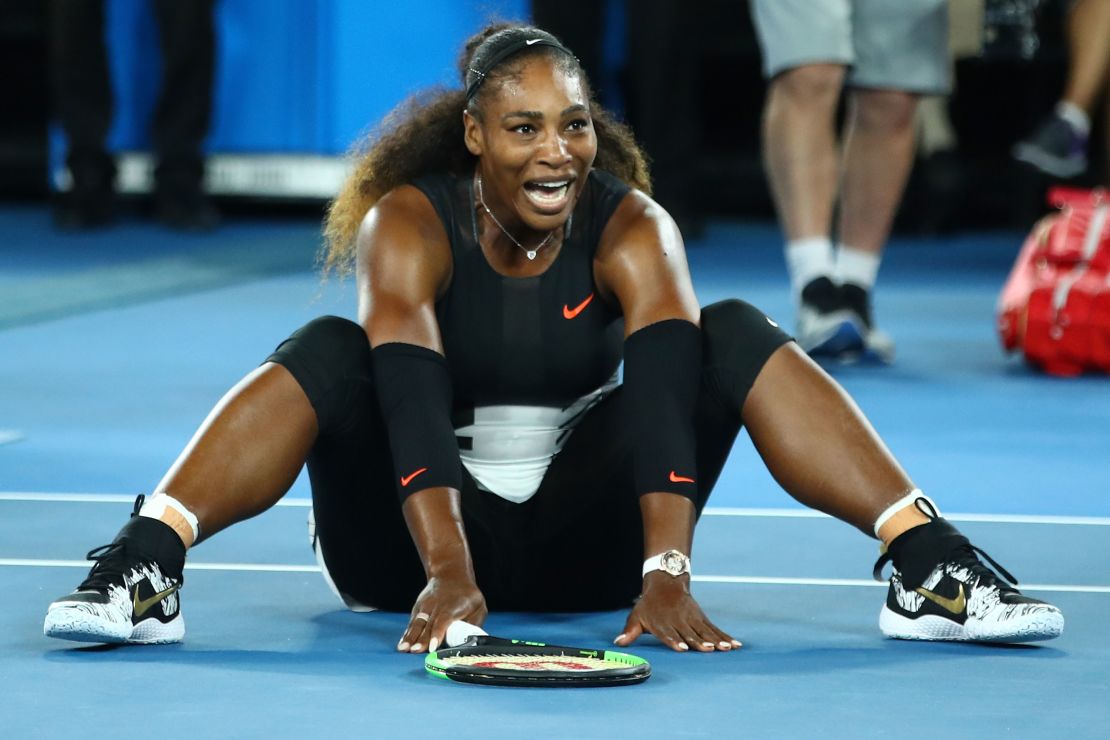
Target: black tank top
545	340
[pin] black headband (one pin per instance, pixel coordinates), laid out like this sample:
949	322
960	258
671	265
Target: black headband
513	47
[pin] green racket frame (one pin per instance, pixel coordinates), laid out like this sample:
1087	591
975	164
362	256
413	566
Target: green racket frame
632	671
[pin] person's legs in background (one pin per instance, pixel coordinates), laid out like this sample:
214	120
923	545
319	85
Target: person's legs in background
879	147
187	40
1058	146
82	103
806	49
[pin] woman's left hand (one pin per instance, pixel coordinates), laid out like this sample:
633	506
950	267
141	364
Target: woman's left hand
667	610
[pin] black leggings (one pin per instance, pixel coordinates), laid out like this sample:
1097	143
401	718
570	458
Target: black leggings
577	544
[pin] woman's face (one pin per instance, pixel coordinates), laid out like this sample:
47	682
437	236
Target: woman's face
535	143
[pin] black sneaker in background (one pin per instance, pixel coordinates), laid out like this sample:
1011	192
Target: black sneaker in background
1055	148
942	591
877	346
131	594
826	327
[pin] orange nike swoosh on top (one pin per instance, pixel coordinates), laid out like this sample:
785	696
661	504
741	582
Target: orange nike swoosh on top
406	479
570	313
676	478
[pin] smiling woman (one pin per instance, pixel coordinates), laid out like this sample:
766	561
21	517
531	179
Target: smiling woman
467	441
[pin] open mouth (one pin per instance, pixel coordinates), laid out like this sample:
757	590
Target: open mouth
549	195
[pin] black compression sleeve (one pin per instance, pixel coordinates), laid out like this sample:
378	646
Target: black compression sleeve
414	390
662	368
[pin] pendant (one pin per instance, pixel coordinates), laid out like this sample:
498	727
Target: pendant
531	254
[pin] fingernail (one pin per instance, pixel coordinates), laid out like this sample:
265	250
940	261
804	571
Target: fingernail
418	647
619	638
737	643
724	645
683	646
707	645
402	645
433	644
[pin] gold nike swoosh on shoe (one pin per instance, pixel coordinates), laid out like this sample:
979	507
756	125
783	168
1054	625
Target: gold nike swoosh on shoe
956	605
141	606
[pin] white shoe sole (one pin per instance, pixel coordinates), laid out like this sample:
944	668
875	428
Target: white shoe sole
1047	163
1043	625
66	622
833	333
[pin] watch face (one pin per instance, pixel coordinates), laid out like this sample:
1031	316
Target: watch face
674	563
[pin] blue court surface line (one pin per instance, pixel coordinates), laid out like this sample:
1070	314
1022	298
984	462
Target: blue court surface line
103	399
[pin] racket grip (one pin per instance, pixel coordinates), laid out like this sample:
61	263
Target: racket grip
459	632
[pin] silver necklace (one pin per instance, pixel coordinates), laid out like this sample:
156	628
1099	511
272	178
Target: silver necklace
482	202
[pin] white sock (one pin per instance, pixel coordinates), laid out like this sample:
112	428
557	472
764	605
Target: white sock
857	267
908	500
1076	117
808	259
155	506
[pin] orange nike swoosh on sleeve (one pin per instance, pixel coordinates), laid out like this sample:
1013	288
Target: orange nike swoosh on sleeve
676	478
406	479
570	313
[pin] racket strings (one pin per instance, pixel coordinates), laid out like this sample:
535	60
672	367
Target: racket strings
534	662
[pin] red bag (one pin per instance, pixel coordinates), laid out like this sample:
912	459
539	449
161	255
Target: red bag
1055	306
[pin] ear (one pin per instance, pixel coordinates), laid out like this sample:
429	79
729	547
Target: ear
472	134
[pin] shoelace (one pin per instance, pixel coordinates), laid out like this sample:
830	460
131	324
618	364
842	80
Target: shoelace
110	562
965	557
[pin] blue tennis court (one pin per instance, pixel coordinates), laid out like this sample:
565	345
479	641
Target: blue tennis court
114	345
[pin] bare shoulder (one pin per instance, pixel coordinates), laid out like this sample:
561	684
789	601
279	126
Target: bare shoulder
638	224
641	264
403	232
404	214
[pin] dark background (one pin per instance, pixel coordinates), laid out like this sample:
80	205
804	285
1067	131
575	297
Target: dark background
996	100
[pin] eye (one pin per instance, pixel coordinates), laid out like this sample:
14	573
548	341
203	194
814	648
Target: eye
578	125
525	128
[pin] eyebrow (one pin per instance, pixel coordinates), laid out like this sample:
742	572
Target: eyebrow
537	115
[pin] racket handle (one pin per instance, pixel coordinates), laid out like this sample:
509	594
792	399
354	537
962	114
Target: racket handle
459	632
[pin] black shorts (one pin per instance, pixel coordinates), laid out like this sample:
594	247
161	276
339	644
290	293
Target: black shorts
577	544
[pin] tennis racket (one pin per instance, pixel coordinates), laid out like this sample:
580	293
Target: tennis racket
496	661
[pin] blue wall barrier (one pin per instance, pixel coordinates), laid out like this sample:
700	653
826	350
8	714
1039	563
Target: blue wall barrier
298	76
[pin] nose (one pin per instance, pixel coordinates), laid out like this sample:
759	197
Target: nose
554	151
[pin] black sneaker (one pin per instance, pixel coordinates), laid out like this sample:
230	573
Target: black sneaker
1055	148
826	327
877	345
130	595
940	590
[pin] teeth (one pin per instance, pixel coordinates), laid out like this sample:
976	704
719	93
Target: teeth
552	185
549	193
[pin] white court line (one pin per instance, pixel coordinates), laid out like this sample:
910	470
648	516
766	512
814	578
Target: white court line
107	498
244	567
1097	521
751	580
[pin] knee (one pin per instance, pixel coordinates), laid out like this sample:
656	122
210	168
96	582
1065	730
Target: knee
884	110
737	341
812	86
334	331
328	345
735	332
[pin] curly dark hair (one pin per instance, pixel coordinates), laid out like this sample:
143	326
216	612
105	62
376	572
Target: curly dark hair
424	135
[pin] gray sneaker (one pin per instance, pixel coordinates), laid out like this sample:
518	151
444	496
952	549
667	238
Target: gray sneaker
1055	148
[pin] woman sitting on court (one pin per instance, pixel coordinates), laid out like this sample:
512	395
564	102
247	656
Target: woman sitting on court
467	441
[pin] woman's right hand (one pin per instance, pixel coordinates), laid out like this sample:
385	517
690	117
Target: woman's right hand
443	600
